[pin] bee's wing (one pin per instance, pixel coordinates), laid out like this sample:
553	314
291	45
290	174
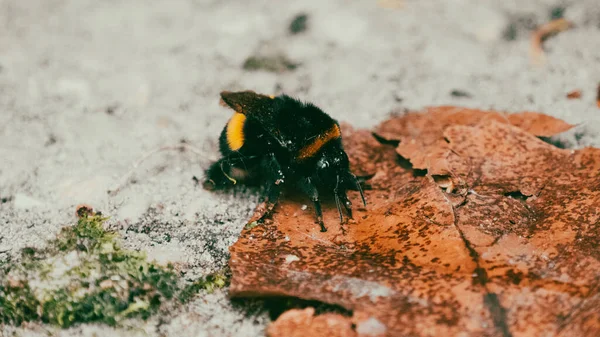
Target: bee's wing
256	106
246	102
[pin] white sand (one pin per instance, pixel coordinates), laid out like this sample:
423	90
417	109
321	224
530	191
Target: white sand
159	66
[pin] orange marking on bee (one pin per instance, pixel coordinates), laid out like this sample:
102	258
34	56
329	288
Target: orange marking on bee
322	139
235	131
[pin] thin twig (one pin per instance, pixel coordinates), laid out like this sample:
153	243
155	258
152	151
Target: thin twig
575	94
125	178
598	96
550	28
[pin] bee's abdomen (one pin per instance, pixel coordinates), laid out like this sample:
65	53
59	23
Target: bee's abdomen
244	136
235	131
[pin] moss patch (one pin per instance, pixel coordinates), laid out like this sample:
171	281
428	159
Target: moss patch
299	23
251	225
209	284
83	276
276	63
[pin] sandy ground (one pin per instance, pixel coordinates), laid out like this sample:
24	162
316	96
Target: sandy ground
87	87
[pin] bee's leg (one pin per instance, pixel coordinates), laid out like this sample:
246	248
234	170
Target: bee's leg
353	181
310	189
347	204
217	175
274	170
276	178
339	206
338	195
273	192
265	208
317	204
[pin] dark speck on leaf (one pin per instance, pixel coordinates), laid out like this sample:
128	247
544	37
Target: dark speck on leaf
514	277
516	195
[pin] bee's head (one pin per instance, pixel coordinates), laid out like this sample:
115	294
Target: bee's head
332	165
333	171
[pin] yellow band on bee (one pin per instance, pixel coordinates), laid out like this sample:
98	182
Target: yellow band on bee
235	131
314	147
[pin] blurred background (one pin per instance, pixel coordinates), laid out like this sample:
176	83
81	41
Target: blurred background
87	87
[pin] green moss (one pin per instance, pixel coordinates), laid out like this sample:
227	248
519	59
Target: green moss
208	283
17	303
251	225
84	275
276	64
299	24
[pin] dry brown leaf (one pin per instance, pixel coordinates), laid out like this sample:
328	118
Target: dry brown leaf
514	252
423	143
302	323
575	94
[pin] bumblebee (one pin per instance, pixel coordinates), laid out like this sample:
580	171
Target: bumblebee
279	140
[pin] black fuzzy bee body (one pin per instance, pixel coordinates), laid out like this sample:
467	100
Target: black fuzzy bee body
280	140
